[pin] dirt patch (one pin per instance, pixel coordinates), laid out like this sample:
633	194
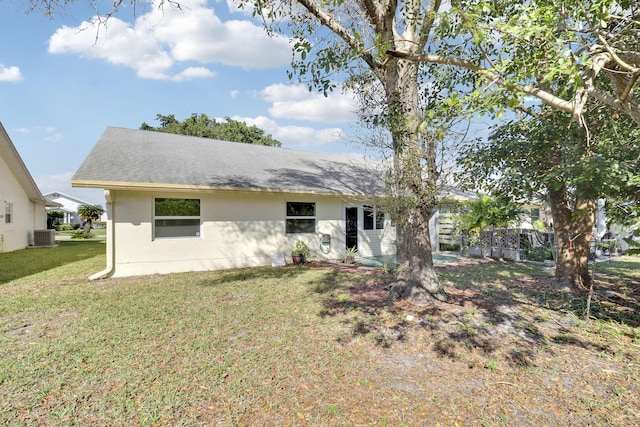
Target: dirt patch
507	352
37	328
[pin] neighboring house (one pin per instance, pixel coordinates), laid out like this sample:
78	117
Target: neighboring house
23	206
444	233
180	203
69	207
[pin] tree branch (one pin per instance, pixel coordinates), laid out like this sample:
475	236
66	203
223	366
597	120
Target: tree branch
332	24
428	20
544	96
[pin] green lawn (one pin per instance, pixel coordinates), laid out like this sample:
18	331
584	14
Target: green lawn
286	346
99	233
153	350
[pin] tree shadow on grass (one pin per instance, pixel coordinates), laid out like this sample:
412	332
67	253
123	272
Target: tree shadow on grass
498	310
252	273
17	264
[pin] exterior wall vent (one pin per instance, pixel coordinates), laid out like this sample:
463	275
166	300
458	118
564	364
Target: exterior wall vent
44	238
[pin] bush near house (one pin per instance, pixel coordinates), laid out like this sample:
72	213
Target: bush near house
67	226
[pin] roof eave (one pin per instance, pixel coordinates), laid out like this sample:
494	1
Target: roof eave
143	186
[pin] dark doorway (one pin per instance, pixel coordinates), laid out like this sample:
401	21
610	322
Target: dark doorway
351	217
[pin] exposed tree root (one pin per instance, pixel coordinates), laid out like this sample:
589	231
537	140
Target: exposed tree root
415	293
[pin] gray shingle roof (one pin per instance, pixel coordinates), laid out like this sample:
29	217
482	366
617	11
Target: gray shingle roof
127	158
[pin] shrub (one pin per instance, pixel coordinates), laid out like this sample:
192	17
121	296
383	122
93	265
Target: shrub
539	253
67	227
53	218
301	249
80	234
538	225
449	246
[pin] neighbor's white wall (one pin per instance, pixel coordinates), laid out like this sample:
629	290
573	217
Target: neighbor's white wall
375	242
71	205
26	214
238	230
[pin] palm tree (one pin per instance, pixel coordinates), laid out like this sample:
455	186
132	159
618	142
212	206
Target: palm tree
89	213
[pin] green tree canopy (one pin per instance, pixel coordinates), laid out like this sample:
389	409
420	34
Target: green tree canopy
518	49
573	165
53	218
89	213
202	126
488	211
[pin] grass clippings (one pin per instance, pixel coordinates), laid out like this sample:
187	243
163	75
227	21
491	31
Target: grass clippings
312	346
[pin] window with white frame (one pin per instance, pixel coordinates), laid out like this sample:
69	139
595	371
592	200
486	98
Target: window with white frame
373	218
8	212
300	217
176	217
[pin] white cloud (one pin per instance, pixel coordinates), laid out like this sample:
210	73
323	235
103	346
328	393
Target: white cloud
294	136
10	74
118	44
296	102
234	6
44	133
158	42
192	73
53	137
48	133
235	93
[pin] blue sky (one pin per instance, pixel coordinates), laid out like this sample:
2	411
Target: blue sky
60	86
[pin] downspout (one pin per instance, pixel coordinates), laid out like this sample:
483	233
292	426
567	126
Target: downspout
110	268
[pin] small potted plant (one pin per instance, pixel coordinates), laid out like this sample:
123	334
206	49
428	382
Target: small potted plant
350	255
300	253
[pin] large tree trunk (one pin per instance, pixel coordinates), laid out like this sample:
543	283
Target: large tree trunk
416	278
573	238
414	182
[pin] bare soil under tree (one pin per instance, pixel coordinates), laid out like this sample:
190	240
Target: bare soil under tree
508	351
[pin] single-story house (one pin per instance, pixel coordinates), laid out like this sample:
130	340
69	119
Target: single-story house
69	207
22	213
180	203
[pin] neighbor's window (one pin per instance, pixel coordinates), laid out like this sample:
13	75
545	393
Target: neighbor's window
8	212
177	217
301	217
535	214
373	218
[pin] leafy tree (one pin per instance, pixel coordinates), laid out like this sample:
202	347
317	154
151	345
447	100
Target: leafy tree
346	41
573	165
488	211
634	242
484	212
89	213
202	126
53	218
519	48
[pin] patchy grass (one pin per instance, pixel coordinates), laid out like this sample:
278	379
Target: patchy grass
311	346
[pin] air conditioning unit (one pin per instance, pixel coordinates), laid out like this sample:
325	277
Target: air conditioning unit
44	237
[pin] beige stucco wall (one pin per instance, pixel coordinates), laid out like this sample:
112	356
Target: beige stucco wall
238	230
27	215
